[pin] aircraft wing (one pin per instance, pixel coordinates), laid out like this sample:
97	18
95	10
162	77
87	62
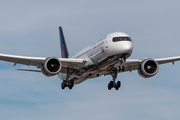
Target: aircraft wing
167	60
38	61
133	64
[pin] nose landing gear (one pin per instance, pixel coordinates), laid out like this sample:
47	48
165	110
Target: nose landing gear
121	61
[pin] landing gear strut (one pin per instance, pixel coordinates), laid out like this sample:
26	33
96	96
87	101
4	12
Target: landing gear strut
113	73
113	83
67	83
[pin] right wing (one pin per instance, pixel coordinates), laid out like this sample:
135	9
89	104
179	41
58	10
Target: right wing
131	64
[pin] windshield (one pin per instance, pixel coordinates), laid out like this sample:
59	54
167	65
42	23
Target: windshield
116	39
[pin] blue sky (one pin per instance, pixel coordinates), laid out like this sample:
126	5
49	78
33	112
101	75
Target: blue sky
30	28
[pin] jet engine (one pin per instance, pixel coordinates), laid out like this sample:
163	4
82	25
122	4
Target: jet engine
51	66
148	68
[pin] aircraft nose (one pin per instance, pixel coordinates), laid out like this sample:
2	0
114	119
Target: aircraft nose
127	47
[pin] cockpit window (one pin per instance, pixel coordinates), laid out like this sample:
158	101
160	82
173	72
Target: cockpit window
117	39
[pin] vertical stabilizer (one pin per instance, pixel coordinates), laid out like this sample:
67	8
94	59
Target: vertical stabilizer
64	50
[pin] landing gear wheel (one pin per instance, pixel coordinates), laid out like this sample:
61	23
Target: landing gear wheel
71	84
62	85
70	87
110	85
118	85
123	68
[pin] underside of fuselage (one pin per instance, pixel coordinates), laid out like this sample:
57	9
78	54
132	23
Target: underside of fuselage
100	68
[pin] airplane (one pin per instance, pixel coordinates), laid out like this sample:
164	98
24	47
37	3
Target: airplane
108	56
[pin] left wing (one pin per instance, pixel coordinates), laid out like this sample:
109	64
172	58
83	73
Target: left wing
167	60
133	64
38	61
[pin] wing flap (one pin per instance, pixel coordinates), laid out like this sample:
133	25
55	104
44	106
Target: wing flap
73	63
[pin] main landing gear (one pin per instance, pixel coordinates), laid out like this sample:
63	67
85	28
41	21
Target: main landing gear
68	83
113	73
113	83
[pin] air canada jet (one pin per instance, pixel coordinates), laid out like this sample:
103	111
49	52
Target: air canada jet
108	56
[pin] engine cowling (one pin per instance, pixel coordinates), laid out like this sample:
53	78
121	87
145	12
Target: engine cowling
148	68
51	66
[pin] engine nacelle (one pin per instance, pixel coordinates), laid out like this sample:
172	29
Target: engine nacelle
51	66
148	68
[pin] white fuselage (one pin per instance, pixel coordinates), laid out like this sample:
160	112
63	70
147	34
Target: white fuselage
101	55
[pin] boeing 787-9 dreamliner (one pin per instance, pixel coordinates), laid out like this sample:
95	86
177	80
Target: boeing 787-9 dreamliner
108	56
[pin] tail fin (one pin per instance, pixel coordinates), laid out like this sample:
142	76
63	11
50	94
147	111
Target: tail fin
64	50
